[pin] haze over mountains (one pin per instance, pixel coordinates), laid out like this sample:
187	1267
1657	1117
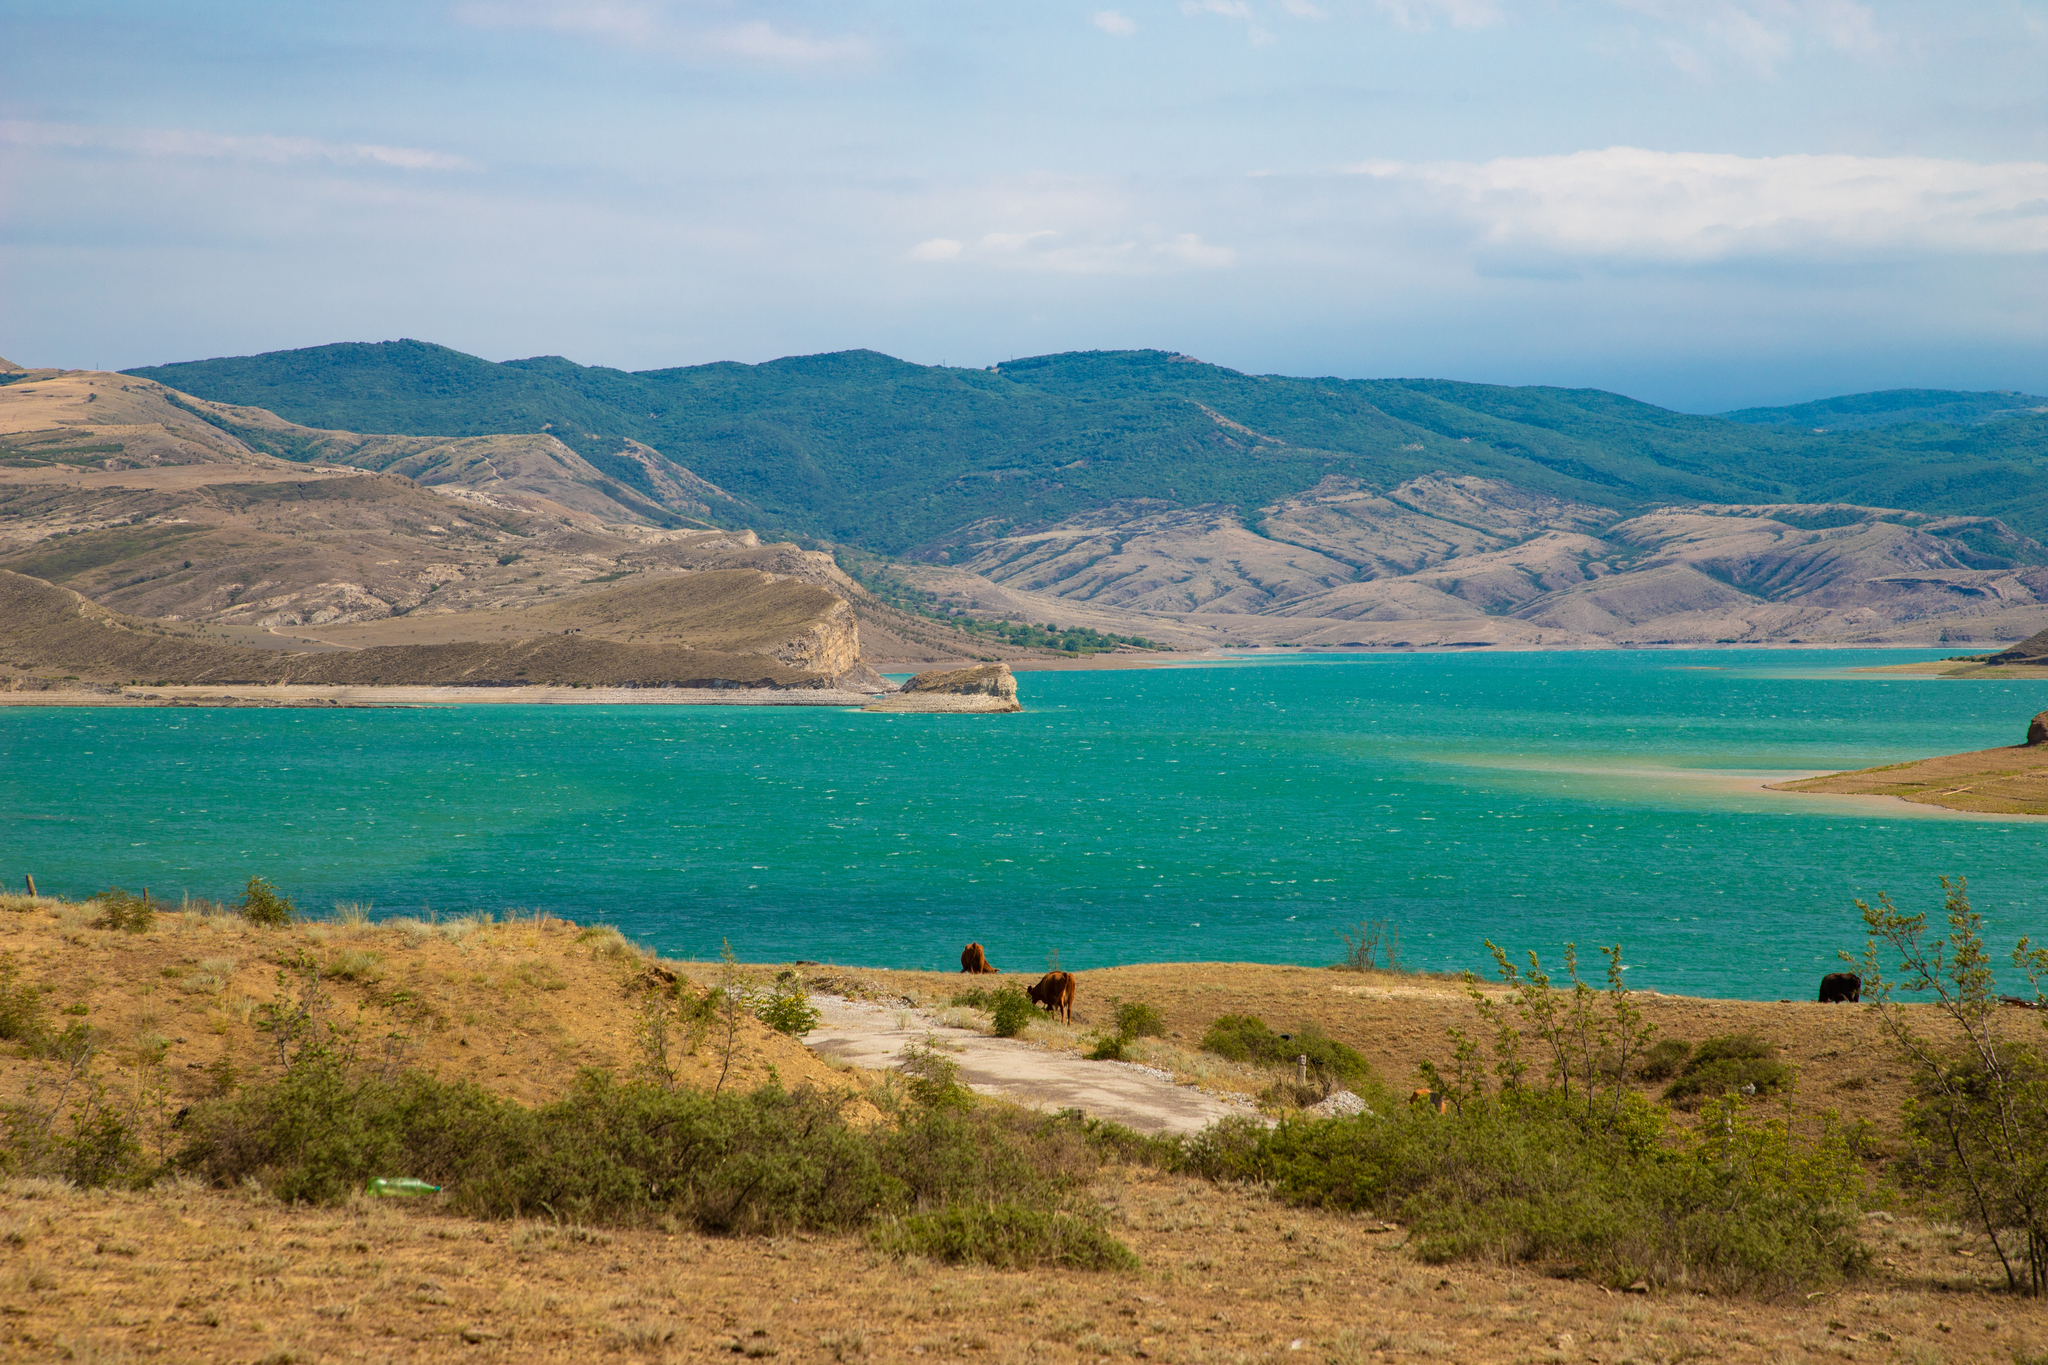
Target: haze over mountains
1147	492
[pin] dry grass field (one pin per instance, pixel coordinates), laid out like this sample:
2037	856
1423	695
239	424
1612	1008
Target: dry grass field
184	1272
2012	780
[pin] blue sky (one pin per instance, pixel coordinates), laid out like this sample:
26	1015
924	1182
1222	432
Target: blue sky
1703	203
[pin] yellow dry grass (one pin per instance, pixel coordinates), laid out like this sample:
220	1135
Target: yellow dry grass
2005	781
181	1272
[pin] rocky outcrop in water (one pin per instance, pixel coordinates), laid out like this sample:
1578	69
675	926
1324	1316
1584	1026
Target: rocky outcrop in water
984	688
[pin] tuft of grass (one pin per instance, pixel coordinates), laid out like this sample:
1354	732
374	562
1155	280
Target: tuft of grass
1729	1064
356	964
606	941
209	977
1008	1236
540	974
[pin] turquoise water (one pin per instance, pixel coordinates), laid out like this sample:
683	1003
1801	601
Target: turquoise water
1236	811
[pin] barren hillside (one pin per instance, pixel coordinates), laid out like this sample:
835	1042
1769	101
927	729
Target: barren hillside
1467	560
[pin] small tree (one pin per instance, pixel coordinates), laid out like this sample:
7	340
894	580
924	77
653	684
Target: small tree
1978	1119
262	904
1592	1036
788	1008
1371	940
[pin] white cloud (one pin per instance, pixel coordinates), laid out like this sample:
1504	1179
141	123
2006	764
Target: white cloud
1096	243
1259	34
1421	15
1302	9
184	142
1426	14
677	28
1109	21
1693	207
1757	34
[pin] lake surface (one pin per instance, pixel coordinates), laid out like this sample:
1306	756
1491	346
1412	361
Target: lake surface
1246	810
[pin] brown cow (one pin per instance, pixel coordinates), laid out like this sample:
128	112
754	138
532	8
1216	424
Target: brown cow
1434	1100
973	959
1055	991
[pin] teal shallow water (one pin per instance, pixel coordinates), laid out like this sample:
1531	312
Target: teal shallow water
1237	811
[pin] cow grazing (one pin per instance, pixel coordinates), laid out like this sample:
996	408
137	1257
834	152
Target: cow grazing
1841	988
973	959
1055	991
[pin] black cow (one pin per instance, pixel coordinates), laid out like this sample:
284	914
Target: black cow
1841	988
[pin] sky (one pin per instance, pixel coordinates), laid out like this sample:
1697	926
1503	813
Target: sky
1707	204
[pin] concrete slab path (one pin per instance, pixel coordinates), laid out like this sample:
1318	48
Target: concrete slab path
1140	1097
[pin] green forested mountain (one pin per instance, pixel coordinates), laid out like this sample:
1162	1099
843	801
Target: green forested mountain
858	447
1858	411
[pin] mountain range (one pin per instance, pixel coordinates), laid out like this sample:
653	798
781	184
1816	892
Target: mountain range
1147	492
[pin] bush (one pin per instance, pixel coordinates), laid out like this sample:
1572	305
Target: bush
788	1008
764	1162
1108	1048
262	904
1011	1010
1008	1236
119	910
1245	1038
1663	1060
1136	1019
1523	1177
1729	1064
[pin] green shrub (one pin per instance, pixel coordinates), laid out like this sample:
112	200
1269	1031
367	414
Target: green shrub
763	1162
933	1077
1524	1178
1245	1038
120	910
1108	1048
1663	1059
1011	1010
1136	1019
1008	1236
788	1008
262	904
1729	1064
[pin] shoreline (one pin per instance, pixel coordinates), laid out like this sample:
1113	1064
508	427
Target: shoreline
323	696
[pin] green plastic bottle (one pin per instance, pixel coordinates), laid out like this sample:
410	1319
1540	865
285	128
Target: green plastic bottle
389	1186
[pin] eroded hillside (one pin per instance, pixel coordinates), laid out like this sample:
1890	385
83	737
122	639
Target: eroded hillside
167	509
1467	560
